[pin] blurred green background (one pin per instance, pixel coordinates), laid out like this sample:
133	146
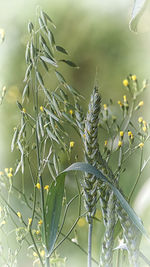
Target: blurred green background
97	37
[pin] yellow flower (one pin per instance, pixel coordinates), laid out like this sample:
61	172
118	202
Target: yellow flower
24	110
1	173
119	143
132	136
19	214
41	108
35	254
121	133
125	98
120	103
42	253
133	77
125	82
9	175
141	103
144	123
72	144
140	119
105	107
71	112
144	128
40	222
46	187
38	186
105	143
81	222
129	133
37	232
29	221
141	145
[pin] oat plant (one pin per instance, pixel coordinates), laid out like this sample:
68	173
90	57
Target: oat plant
42	140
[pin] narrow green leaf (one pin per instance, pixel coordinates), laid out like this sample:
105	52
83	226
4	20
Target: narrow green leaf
49	60
51	135
72	90
70	63
60	77
53	211
138	9
51	114
42	25
30	27
27	53
85	167
17	168
40	79
19	105
27	72
41	125
32	51
43	18
14	139
25	91
51	38
47	94
68	118
44	64
61	49
46	17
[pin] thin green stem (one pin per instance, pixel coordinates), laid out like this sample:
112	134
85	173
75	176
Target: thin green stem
90	230
36	102
138	177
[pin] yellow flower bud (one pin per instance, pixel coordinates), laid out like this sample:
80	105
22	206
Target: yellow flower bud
125	98
46	187
29	221
24	110
38	186
141	145
9	175
41	108
42	253
37	232
72	144
133	77
105	107
105	143
71	112
140	119
125	82
120	103
141	103
144	128
19	214
129	133
119	143
40	222
121	133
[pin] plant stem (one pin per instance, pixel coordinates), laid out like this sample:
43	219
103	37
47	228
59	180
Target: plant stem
89	264
138	177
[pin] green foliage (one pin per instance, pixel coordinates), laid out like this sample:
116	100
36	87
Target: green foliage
42	140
